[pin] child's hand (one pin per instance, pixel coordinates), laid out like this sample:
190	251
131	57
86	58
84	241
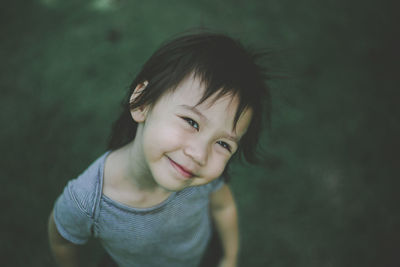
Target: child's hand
227	262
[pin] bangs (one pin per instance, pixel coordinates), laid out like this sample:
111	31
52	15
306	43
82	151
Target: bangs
213	91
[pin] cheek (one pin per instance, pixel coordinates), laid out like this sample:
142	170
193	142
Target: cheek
162	137
213	171
216	166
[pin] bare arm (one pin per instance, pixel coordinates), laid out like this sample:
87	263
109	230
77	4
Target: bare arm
64	252
224	212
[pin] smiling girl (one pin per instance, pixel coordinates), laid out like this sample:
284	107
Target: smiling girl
152	198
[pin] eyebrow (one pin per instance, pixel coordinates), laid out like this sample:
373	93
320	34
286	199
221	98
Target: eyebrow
195	110
231	137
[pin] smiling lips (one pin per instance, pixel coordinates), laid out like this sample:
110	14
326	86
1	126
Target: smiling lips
185	173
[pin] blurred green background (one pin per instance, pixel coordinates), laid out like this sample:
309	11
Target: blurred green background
329	195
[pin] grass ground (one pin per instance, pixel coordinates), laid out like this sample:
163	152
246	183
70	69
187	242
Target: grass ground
328	195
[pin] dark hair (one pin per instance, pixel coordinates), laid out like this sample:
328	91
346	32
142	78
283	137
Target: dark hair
223	66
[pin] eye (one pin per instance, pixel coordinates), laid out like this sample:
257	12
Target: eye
225	145
192	123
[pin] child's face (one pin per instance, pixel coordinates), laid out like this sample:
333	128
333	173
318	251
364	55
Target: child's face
188	145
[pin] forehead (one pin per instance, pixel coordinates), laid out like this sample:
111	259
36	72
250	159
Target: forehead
192	90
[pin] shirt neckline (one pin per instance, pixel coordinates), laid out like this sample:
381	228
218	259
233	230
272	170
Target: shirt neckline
123	206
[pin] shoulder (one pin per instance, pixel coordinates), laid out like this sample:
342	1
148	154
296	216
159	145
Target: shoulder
74	210
209	188
86	188
216	184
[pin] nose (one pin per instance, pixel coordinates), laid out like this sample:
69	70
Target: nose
197	150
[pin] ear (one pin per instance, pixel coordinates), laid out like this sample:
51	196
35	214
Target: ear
138	114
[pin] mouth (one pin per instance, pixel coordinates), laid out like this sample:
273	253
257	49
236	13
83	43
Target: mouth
184	172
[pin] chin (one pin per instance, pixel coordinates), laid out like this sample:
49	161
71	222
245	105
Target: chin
171	184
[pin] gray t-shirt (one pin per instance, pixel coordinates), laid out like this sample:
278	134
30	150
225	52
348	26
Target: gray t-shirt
172	233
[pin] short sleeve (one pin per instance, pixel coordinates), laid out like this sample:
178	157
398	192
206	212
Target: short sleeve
217	184
72	217
212	186
75	208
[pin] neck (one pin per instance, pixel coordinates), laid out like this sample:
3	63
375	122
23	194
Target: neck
129	180
135	169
